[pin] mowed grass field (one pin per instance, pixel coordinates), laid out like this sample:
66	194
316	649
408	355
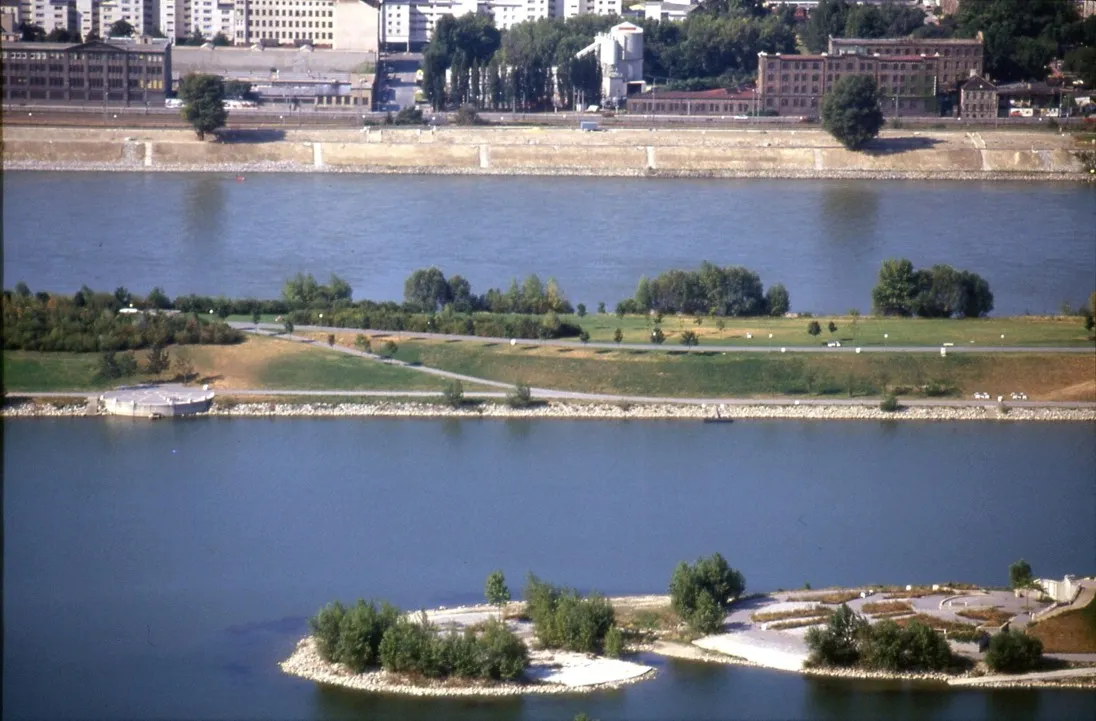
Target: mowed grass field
865	331
257	363
673	373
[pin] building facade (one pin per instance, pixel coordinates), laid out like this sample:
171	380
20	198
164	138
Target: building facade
955	59
620	55
701	102
978	99
96	73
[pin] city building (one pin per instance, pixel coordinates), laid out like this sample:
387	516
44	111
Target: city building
1032	100
955	59
409	24
337	24
978	99
1085	8
98	73
913	75
315	90
699	102
620	54
667	11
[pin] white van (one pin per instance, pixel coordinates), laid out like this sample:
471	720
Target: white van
173	103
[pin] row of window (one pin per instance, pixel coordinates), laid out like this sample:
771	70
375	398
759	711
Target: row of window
287	38
294	13
76	68
292	24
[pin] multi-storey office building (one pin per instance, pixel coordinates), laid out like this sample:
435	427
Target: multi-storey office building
97	73
955	59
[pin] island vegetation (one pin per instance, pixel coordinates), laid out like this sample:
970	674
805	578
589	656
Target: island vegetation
703	592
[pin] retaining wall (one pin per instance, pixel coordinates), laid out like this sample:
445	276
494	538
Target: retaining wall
558	151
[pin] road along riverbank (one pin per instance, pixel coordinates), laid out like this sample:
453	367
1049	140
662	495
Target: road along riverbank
705	153
625	410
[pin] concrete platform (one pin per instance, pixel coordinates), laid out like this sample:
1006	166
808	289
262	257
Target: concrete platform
157	401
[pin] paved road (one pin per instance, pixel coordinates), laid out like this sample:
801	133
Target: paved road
761	344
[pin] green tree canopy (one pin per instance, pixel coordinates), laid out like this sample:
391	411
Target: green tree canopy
896	289
702	592
203	99
850	112
1019	575
1021	36
121	29
1010	652
427	289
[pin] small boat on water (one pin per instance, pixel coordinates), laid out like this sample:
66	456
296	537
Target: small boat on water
718	418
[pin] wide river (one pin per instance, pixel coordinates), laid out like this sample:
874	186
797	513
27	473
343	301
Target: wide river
161	570
215	234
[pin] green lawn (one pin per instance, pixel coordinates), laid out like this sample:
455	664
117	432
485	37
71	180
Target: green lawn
727	374
866	331
27	370
1018	331
322	369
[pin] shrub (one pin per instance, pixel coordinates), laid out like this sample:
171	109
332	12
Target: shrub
411	647
503	655
563	618
689	338
520	397
618	335
157	360
1013	652
325	626
389	349
814	328
657	336
454	394
836	644
614	643
361	629
889	404
702	593
361	342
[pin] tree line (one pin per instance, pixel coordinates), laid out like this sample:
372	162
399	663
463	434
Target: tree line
89	322
711	290
939	292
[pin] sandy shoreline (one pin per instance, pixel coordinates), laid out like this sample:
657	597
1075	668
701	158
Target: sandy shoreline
729	174
781	410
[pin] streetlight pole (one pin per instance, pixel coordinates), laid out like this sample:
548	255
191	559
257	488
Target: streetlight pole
885	336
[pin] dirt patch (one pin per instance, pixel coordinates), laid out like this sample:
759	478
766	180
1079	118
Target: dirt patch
1070	632
237	366
1079	392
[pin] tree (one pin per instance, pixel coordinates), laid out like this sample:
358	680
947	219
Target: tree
156	298
1021	36
689	338
325	627
496	591
850	112
203	99
389	349
330	340
57	35
108	365
832	327
580	310
814	328
427	289
22	289
777	300
889	404
158	360
601	308
221	40
896	289
618	335
184	368
701	593
520	397
454	394
1010	652
657	336
31	33
1083	62
837	643
256	316
584	336
121	29
361	342
829	18
614	643
1020	576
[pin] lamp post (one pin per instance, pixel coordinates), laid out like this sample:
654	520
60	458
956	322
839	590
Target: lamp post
770	342
885	336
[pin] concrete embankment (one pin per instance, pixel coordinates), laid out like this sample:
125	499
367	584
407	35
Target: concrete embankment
802	153
223	407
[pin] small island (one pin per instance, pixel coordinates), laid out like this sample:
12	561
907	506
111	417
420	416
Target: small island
560	641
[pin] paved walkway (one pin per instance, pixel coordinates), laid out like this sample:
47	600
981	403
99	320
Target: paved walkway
1066	673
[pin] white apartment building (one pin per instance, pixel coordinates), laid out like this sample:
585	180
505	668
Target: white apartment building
411	22
49	14
337	24
141	14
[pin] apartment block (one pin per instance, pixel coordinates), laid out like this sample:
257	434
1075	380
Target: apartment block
338	24
131	73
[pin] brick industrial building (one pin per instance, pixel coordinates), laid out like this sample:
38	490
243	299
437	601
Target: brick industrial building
96	72
700	102
911	73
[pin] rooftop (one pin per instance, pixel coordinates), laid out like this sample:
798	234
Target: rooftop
905	41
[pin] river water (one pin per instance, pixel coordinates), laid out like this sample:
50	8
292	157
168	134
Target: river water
161	570
214	234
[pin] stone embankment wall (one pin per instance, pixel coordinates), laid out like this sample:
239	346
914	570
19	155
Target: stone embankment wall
532	151
599	411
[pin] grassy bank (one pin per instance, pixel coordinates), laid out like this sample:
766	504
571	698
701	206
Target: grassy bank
256	363
719	374
1057	331
1069	632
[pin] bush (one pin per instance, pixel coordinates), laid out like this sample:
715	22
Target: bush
503	655
520	397
1013	652
657	336
889	404
361	629
563	618
848	640
689	338
454	394
325	626
837	644
389	349
614	643
702	593
814	328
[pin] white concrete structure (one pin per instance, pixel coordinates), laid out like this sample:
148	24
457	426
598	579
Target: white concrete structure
157	401
667	11
620	54
1062	591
